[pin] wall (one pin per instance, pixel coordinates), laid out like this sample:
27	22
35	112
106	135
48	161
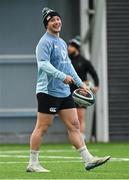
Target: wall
20	30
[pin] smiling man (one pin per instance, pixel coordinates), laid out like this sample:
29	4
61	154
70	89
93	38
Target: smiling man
55	74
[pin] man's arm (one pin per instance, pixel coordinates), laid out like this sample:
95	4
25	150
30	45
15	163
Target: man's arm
93	74
47	67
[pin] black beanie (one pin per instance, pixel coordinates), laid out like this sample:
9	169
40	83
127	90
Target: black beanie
47	14
76	42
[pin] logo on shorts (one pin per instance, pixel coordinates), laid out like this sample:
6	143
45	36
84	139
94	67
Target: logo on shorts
52	109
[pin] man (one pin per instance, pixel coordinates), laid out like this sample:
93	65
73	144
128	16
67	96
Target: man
83	67
55	73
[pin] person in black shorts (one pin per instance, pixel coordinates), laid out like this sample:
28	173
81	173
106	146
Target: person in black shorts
83	67
55	74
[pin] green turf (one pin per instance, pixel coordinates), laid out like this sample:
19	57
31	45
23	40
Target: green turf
64	162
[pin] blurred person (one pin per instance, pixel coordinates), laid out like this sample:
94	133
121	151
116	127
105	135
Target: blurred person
55	74
83	67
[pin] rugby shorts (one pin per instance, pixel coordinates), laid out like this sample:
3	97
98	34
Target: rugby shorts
52	105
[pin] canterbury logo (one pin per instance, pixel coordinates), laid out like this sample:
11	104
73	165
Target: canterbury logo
52	109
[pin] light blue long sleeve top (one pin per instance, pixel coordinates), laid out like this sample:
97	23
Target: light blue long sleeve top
53	67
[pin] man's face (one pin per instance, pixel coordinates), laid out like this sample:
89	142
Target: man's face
71	50
54	24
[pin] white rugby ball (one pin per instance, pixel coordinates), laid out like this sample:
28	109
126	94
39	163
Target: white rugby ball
83	98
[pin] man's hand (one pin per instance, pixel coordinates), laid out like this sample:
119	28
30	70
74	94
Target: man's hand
84	86
68	80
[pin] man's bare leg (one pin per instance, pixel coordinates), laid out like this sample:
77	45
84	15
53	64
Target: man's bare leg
43	121
70	118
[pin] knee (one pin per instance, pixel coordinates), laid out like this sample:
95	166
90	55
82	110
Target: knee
81	117
42	129
74	126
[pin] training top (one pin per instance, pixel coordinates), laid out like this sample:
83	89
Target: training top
53	66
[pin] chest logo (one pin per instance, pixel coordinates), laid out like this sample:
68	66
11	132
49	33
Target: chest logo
55	46
64	54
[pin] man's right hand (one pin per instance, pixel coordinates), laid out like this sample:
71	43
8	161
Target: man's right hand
68	80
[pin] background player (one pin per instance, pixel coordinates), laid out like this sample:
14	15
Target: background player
83	67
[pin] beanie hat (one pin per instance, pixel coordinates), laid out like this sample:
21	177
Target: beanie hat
76	42
47	14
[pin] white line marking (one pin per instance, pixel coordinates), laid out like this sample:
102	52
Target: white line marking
119	159
27	151
25	162
63	161
57	157
49	151
26	156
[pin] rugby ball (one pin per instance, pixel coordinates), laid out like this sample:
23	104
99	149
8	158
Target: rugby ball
83	98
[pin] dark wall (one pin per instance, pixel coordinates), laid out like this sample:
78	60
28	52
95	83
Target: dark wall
118	68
